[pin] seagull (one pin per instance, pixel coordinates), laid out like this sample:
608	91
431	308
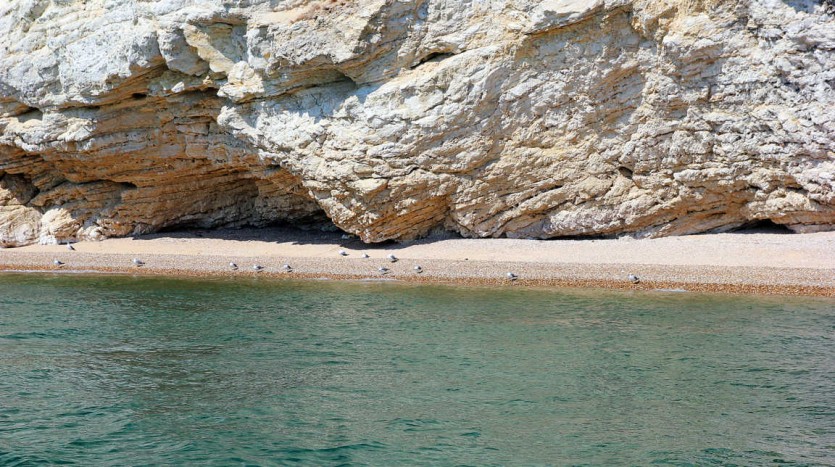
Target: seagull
512	276
418	269
233	266
138	262
257	267
384	270
392	258
633	278
365	255
57	263
70	247
287	268
343	253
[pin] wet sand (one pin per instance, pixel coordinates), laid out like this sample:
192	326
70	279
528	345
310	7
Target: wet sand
758	262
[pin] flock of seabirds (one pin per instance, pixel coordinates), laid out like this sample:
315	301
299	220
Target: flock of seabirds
287	268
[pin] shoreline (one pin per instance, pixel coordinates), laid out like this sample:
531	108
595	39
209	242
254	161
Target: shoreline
643	286
738	263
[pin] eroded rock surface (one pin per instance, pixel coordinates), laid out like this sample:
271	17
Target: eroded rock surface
391	118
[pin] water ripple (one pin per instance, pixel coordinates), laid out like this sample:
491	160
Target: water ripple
148	371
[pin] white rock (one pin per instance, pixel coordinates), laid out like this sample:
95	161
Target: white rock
519	118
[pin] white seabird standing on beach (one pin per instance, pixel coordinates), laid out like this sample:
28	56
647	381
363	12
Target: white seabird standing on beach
257	267
233	266
343	253
512	276
633	278
287	267
57	262
137	262
392	258
418	269
70	247
365	255
384	270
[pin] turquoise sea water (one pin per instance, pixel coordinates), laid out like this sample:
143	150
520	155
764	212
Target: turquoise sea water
138	371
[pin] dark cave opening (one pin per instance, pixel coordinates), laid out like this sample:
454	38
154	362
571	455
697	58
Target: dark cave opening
763	226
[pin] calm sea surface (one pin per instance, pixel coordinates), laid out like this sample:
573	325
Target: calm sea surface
138	371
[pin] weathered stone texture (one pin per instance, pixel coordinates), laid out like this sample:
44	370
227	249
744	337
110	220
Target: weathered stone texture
391	118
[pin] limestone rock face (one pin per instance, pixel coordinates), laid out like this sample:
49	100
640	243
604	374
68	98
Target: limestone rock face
393	118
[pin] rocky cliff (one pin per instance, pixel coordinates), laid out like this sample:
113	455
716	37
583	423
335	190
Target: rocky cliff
391	118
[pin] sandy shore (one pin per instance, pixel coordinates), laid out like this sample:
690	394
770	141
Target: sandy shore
751	262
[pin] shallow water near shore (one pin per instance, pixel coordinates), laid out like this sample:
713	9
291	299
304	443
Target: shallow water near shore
107	370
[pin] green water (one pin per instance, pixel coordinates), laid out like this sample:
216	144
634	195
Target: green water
138	371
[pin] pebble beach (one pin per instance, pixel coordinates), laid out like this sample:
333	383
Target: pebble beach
756	262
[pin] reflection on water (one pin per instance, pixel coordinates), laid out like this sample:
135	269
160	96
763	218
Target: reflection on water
120	370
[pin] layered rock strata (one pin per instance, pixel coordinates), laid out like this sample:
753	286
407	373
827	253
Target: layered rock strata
392	118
